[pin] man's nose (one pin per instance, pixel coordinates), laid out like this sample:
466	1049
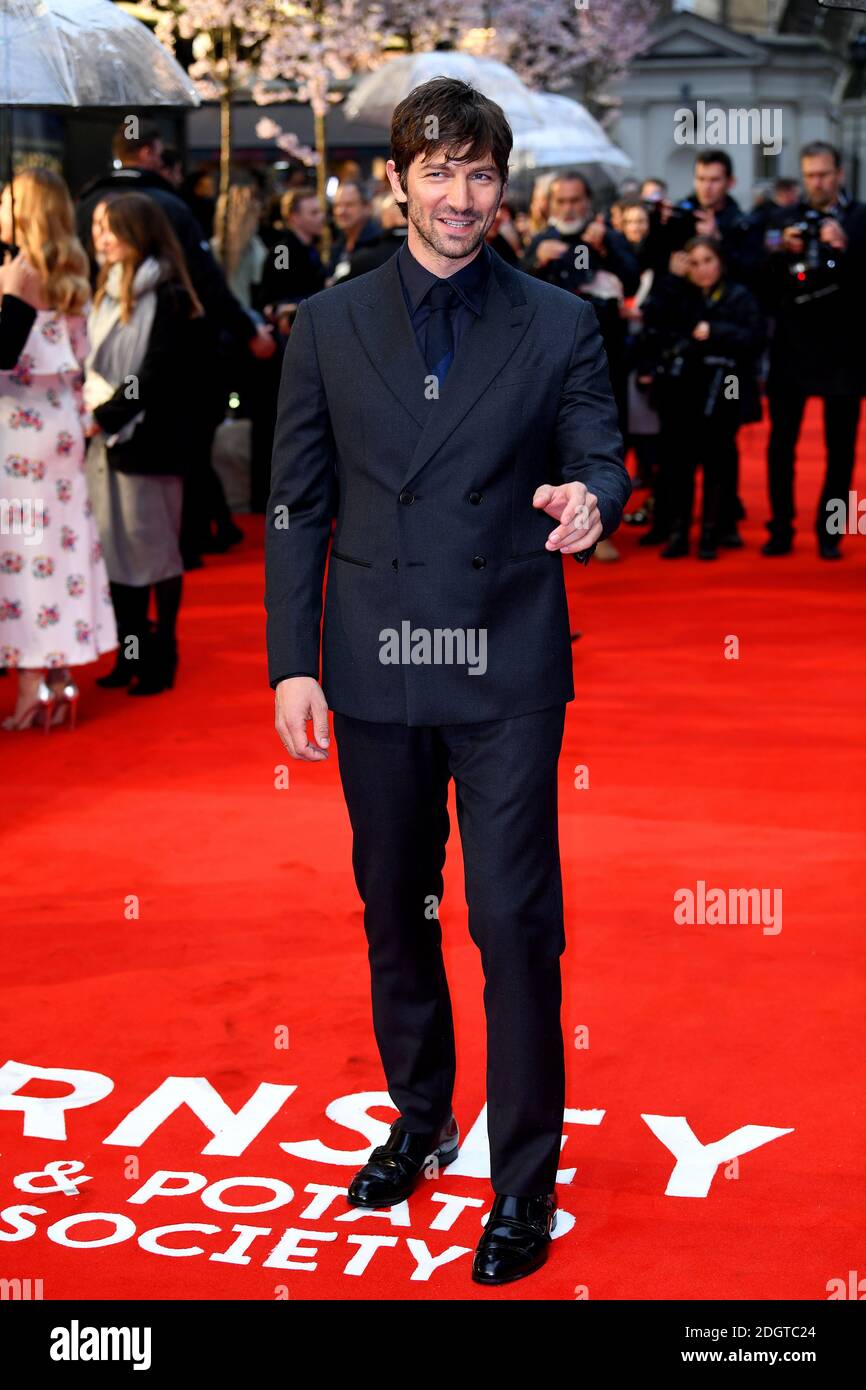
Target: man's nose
460	194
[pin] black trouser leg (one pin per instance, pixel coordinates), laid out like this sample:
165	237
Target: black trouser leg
395	781
646	452
505	773
130	610
786	418
204	500
841	421
168	594
730	507
719	454
682	446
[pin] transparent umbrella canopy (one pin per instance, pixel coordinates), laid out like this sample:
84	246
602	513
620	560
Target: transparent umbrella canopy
570	136
84	53
376	95
81	53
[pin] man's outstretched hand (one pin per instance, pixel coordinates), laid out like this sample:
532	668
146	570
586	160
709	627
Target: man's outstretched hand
576	510
298	699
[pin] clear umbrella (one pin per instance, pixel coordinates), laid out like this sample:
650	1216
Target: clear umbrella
570	136
376	95
81	53
84	53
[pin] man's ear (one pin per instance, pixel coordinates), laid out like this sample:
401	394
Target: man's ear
394	180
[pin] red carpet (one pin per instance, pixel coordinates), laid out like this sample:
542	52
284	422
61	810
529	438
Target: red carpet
745	773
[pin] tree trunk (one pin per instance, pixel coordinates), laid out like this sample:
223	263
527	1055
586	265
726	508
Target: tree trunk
322	181
226	114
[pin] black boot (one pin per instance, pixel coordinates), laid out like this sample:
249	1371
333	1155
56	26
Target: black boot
159	659
781	540
677	545
708	546
130	612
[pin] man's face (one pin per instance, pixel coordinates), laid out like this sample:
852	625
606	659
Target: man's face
821	179
349	209
704	267
635	224
651	191
568	201
308	217
150	157
711	185
451	203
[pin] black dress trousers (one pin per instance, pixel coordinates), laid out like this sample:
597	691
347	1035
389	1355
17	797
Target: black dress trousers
395	780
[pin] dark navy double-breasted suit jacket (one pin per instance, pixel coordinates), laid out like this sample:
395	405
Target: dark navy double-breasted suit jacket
433	497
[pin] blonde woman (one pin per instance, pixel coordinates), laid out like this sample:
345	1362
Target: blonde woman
55	605
247	253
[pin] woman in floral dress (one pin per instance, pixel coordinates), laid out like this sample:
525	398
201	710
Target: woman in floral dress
55	605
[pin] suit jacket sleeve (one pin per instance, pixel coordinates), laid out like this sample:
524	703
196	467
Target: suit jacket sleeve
303	493
588	441
16	321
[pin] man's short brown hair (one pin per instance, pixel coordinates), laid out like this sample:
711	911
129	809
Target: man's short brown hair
448	115
292	200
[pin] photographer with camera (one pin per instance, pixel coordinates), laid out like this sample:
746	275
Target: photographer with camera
698	359
710	210
578	252
817	279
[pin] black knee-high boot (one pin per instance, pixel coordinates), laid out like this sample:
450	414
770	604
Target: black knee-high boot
168	596
130	613
160	655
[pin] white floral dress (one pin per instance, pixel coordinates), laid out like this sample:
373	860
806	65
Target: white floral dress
55	602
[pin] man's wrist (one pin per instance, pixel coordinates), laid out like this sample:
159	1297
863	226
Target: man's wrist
291	676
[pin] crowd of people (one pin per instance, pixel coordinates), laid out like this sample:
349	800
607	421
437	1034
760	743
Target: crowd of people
130	316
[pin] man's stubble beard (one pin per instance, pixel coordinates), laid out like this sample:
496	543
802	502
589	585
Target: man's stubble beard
428	233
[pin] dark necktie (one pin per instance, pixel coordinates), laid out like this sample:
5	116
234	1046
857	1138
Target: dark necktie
439	342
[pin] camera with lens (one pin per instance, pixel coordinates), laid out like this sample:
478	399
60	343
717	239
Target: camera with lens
815	266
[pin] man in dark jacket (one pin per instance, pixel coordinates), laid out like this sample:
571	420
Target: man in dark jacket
818	289
578	252
457	416
293	270
376	253
350	209
709	210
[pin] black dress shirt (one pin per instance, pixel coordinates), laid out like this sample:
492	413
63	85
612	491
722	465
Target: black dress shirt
470	283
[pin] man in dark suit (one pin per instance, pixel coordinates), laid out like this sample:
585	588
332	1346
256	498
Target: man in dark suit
462	413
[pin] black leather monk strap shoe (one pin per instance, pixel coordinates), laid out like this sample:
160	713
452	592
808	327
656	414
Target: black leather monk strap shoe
515	1240
393	1168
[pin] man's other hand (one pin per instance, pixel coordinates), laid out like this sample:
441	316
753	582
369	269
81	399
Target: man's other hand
297	700
262	344
576	510
550	250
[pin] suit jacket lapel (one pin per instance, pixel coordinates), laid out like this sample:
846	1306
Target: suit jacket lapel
486	346
385	330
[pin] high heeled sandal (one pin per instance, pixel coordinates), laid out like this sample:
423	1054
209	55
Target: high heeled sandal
37	713
66	702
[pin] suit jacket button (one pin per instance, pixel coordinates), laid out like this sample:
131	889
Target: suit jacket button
407	498
478	562
475	498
